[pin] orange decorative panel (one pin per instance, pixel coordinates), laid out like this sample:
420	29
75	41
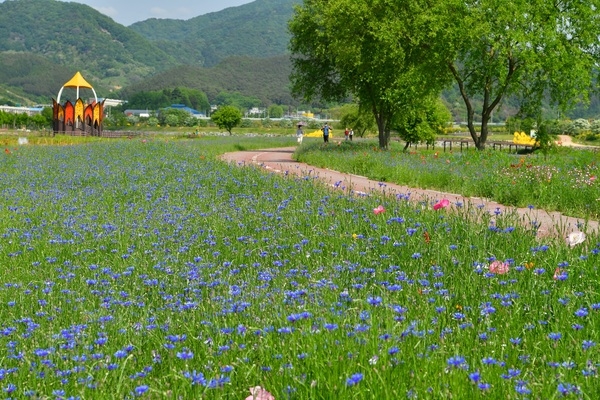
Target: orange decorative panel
69	112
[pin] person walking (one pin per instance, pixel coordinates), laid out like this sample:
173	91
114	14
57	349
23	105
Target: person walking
326	129
346	133
351	133
299	134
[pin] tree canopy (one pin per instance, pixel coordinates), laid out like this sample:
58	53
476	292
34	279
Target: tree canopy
227	117
363	48
533	50
391	55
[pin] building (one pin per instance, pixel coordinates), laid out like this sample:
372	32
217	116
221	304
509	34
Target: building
22	110
194	113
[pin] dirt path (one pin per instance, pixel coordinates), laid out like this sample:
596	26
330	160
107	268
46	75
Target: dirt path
280	160
566	140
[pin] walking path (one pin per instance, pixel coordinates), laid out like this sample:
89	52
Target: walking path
280	160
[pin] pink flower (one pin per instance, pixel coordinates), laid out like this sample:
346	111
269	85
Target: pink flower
259	393
498	267
378	210
441	204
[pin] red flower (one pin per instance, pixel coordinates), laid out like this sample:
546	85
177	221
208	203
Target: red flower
441	204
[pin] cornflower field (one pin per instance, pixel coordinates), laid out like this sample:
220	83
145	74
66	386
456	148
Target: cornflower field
149	269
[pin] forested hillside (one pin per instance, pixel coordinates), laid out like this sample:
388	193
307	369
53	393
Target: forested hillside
265	79
257	29
76	37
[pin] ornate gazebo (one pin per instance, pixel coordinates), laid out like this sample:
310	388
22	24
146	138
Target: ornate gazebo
79	118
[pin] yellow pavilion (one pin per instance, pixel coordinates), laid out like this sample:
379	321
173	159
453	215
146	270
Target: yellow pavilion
78	118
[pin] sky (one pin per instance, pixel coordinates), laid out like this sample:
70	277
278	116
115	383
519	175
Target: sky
126	12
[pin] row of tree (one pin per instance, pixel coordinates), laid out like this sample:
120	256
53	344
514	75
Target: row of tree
396	57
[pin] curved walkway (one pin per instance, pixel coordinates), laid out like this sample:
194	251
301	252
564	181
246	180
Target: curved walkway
280	160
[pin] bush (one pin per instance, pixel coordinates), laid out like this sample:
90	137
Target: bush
246	123
578	126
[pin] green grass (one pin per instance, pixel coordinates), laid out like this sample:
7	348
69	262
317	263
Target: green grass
565	180
147	268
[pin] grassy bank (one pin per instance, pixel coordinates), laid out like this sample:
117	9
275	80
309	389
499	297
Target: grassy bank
565	180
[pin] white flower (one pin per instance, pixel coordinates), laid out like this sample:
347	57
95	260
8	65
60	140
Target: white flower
575	238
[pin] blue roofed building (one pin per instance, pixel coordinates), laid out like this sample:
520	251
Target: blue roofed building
193	112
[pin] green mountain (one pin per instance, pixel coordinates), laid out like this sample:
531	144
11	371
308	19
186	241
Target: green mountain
44	42
257	29
76	37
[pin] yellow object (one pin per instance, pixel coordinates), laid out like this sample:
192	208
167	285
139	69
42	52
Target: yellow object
318	133
78	81
524	139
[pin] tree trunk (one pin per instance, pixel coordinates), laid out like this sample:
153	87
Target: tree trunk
384	137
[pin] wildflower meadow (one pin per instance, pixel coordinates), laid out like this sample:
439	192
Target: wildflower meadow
150	269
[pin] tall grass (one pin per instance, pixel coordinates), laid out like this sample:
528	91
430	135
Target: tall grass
565	180
152	270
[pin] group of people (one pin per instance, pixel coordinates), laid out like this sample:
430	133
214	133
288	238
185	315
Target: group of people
326	129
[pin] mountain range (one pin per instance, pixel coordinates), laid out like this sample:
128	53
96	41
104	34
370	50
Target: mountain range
240	49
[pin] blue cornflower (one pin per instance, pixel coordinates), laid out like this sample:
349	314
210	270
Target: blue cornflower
458	316
457	362
521	388
586	344
582	312
554	335
483	386
374	301
140	390
185	354
11	387
120	354
330	327
567	388
354	379
197	378
515	341
475	376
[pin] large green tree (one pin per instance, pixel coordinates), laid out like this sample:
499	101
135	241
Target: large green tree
531	49
367	49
